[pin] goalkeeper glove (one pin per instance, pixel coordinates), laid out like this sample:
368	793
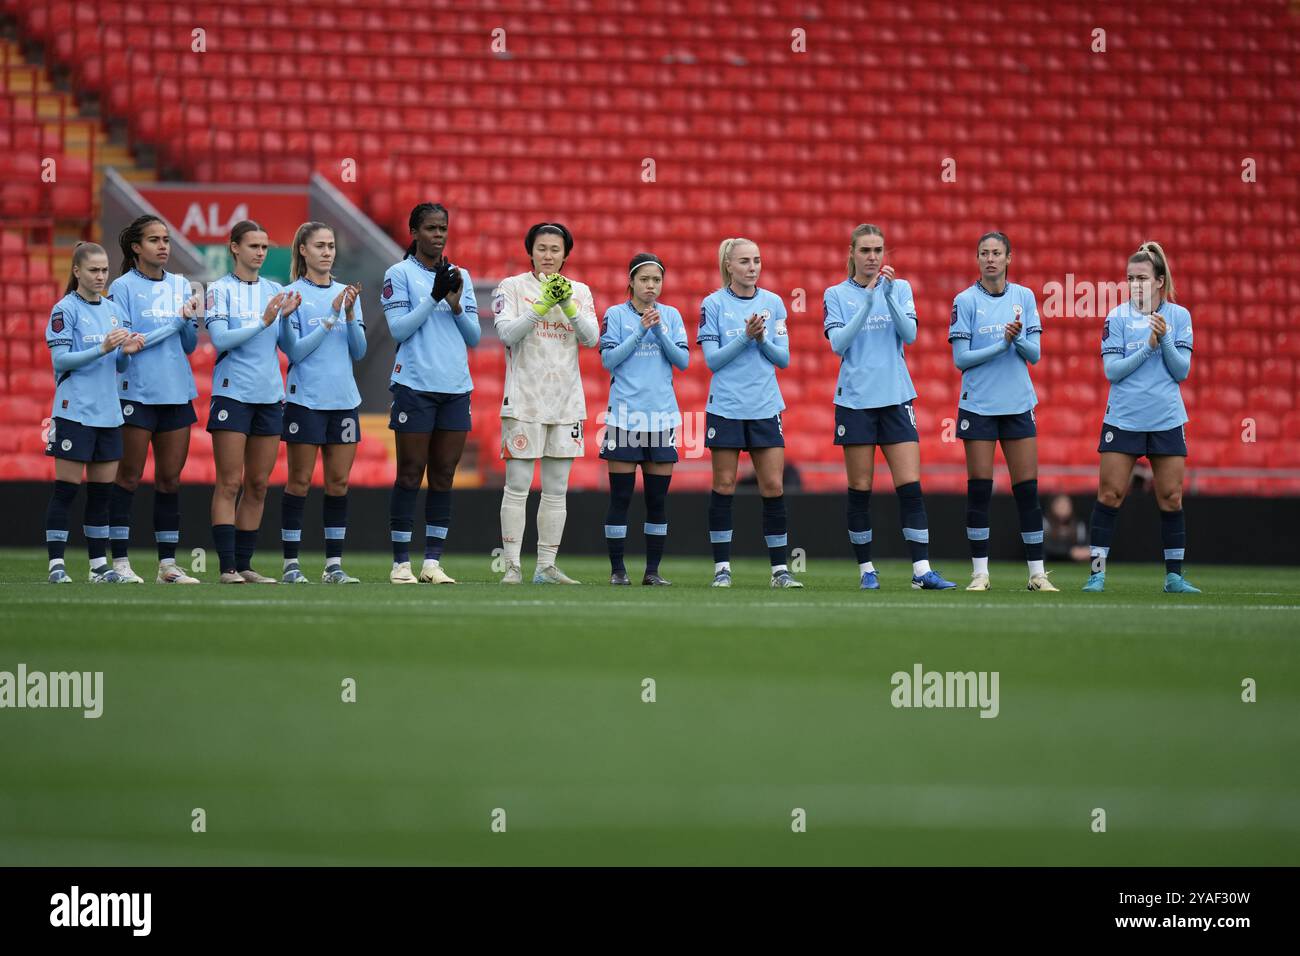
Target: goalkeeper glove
548	299
563	292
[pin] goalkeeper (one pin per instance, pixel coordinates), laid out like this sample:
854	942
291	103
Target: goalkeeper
541	317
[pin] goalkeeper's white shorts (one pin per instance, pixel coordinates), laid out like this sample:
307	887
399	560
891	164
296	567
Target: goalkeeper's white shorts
540	440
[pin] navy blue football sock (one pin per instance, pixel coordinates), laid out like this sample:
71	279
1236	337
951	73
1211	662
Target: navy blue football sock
437	523
979	493
291	508
656	518
401	519
56	519
621	486
916	529
720	526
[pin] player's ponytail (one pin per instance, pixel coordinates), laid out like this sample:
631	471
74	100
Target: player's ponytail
298	262
866	229
724	253
129	236
417	216
1151	252
81	252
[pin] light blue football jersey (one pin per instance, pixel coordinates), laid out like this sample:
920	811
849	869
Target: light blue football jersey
746	387
88	394
435	357
160	374
323	379
1000	386
250	372
641	396
873	370
1147	399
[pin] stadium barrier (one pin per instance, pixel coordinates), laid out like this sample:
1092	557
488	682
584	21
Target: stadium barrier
1219	530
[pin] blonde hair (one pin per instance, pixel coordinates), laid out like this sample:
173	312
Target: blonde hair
297	264
1151	252
724	253
866	229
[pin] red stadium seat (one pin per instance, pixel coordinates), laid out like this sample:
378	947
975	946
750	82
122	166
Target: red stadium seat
1111	150
26	468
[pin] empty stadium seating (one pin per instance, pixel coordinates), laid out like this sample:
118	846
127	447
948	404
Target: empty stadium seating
1078	154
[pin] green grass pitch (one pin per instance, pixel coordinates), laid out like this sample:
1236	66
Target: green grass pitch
529	700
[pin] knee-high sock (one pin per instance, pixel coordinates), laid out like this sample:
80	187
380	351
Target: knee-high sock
720	526
119	519
437	523
916	529
1031	521
859	516
774	530
621	486
514	502
166	523
656	518
56	519
979	492
245	546
291	507
1102	531
223	539
1173	532
336	527
96	526
401	512
552	509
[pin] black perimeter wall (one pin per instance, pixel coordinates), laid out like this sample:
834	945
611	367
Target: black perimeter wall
1219	530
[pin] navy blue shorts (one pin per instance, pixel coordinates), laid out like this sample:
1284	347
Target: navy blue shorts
1170	441
226	414
428	411
620	445
77	442
887	425
313	426
974	427
745	433
158	418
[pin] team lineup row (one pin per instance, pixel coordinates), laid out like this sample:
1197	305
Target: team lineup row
124	384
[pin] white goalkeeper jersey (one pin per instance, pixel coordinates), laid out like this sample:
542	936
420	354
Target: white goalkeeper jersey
543	381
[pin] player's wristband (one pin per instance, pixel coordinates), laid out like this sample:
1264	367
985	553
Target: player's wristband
542	306
570	309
